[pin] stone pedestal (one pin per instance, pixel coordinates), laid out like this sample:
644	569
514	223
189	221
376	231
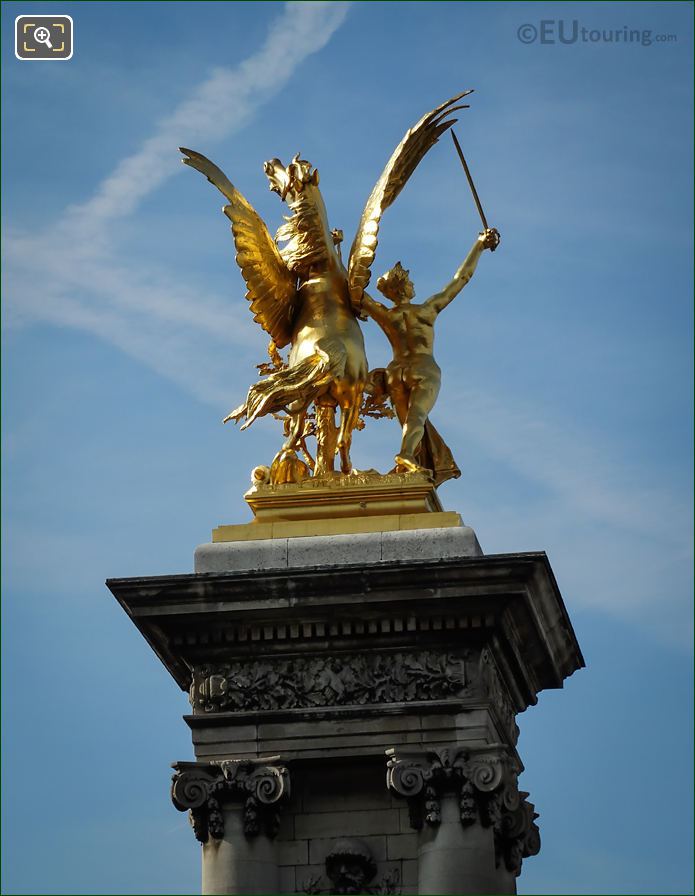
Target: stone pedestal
354	702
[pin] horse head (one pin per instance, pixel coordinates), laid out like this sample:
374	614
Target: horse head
288	182
306	232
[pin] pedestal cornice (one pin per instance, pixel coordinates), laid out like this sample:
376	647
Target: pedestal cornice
509	602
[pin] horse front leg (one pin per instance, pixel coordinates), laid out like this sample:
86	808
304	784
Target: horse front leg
326	439
298	414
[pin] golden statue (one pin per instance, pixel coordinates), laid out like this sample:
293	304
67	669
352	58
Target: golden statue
303	296
413	377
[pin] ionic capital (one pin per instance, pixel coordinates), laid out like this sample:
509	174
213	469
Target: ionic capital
262	785
485	782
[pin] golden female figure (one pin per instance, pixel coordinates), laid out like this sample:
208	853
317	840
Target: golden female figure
413	377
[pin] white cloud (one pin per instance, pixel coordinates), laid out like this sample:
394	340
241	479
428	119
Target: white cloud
68	274
216	108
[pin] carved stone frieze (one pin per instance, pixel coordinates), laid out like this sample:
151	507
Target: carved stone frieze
497	693
262	785
485	782
340	680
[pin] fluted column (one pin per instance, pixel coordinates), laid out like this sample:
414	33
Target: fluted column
474	824
234	810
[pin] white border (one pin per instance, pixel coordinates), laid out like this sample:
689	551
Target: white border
43	15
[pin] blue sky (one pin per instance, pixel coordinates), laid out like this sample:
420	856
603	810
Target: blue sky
566	393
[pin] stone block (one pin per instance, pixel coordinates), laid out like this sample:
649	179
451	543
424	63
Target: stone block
409	873
404	825
332	801
219	734
341	824
430	544
286	829
338	727
320	848
230	750
339	745
235	556
402	846
334	550
287	880
372	546
345	788
293	852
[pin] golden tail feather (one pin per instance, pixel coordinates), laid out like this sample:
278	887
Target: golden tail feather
277	391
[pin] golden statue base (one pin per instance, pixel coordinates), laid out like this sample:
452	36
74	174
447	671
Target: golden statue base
341	505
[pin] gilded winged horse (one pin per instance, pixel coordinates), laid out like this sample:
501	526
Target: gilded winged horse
303	296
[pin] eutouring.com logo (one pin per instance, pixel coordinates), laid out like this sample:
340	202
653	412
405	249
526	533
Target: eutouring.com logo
564	31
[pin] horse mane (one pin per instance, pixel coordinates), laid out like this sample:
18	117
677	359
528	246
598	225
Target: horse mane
305	232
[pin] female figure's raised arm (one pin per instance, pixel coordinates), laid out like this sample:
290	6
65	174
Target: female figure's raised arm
488	239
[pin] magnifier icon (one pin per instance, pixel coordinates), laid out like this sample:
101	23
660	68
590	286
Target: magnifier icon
43	36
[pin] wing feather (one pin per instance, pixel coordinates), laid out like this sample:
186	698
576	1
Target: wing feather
404	160
271	287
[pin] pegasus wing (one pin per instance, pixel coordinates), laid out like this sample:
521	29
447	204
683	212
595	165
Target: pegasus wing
405	159
271	287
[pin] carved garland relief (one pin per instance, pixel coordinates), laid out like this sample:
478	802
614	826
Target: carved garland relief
305	682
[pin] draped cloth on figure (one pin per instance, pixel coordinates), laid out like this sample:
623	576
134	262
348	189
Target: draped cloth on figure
435	454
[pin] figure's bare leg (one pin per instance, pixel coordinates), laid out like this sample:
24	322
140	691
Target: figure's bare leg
326	439
400	399
399	395
421	401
